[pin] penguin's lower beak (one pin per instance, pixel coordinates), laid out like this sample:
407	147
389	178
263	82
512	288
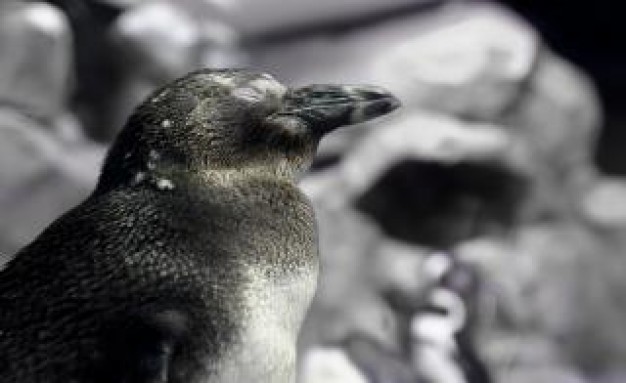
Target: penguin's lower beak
327	107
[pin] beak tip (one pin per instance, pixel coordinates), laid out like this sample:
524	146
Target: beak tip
328	107
394	103
382	105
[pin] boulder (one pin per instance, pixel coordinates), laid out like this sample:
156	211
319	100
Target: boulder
41	177
35	58
471	65
46	166
558	111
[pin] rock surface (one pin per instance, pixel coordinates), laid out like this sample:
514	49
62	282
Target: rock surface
35	58
471	65
46	166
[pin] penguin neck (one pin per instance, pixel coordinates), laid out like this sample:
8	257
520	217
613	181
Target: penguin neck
128	167
282	172
170	177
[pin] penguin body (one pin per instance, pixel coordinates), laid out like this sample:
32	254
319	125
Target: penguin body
195	259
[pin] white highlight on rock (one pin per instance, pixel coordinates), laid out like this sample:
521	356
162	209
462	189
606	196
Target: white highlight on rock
166	123
47	18
329	365
440	329
436	265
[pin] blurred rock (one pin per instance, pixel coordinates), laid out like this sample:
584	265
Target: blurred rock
425	137
399	271
558	283
432	180
471	65
344	55
258	17
556	278
558	112
417	136
35	58
486	65
328	365
96	75
46	166
347	302
602	203
435	353
40	178
378	364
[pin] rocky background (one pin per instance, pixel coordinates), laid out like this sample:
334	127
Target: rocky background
474	237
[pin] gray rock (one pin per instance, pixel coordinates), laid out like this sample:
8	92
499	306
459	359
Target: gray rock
41	177
602	203
426	137
558	112
471	63
35	58
557	283
255	17
347	302
328	365
46	166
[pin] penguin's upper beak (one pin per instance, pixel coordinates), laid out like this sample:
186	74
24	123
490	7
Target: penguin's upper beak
327	107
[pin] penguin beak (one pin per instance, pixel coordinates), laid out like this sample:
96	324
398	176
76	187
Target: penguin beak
325	108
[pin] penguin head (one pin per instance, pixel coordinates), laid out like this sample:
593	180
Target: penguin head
240	119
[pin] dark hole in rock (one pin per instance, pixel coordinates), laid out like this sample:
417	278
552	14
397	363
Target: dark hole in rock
438	205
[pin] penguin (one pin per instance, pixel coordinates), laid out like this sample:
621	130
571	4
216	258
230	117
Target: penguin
195	258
